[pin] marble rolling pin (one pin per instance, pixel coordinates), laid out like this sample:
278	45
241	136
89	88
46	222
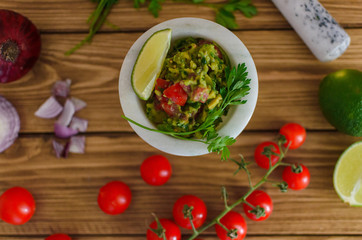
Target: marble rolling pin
321	33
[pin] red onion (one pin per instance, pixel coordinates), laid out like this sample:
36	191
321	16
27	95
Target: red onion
19	45
49	109
62	131
67	113
76	144
9	124
78	103
79	124
62	88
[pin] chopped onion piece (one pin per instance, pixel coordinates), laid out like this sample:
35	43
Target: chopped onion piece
79	124
77	144
58	148
62	88
66	150
9	124
67	113
78	103
49	109
62	131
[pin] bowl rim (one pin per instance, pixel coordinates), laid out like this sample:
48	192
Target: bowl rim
238	116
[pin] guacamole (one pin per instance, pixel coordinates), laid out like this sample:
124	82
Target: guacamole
188	86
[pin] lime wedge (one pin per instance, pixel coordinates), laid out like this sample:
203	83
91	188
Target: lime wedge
149	63
347	177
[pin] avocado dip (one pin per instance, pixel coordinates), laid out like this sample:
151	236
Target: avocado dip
188	86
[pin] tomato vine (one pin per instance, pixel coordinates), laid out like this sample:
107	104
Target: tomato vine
257	210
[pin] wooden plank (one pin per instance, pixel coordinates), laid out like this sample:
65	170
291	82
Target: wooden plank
71	16
66	189
203	237
289	77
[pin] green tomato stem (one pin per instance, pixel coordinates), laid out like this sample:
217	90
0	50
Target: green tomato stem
249	204
223	226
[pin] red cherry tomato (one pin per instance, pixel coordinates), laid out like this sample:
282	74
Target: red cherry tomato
261	199
232	220
172	230
199	211
261	159
297	177
114	197
59	236
17	206
162	84
176	94
294	133
156	170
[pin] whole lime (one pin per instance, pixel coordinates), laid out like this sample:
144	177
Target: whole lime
340	98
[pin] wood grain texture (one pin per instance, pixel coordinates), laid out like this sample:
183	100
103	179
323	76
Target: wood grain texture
71	16
203	237
66	189
289	78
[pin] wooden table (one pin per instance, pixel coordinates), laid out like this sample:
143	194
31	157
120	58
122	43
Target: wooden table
66	189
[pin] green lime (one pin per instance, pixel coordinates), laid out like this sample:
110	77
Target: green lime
149	63
347	177
340	98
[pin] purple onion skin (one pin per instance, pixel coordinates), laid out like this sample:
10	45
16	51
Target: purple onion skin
63	131
20	45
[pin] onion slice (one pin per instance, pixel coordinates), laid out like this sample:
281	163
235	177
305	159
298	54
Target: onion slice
49	109
58	149
67	113
61	88
76	144
9	124
79	124
78	103
62	131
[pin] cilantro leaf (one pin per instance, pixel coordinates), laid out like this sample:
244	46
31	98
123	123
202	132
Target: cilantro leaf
219	145
155	6
248	10
137	3
226	18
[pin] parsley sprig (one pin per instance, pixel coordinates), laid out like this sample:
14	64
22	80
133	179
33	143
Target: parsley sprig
237	87
224	11
224	14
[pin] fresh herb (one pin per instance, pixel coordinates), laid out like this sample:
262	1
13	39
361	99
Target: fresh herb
155	6
237	87
225	10
95	21
224	14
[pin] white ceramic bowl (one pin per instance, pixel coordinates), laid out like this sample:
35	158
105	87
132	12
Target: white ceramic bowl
238	116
